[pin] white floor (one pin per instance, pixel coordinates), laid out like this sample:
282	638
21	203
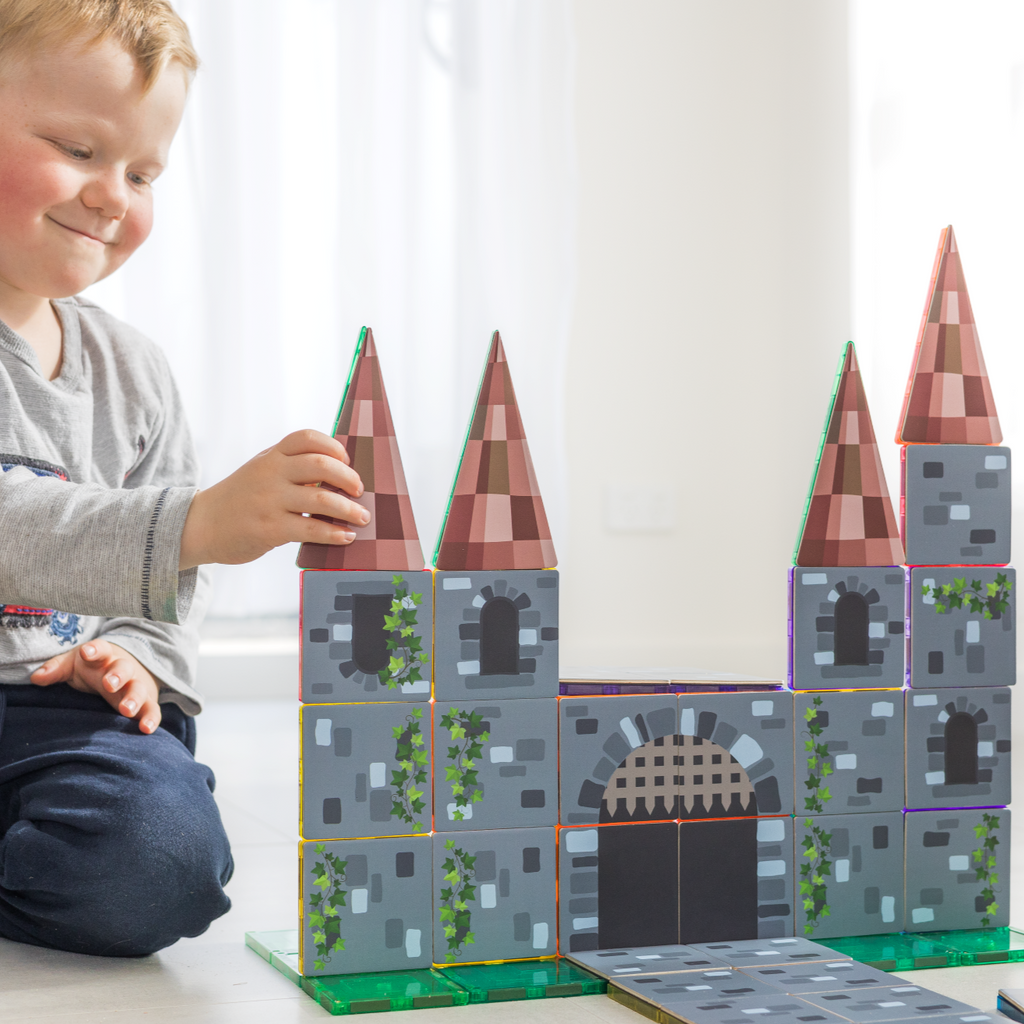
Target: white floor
215	979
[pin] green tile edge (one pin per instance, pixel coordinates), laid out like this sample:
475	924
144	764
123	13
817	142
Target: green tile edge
962	948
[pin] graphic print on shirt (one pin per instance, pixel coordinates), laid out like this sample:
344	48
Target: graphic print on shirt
65	626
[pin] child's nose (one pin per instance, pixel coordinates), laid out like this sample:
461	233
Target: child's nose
107	193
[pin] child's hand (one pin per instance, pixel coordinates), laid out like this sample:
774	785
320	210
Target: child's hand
265	503
104	668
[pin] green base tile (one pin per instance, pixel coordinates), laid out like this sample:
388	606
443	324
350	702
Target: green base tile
288	965
396	990
982	945
266	943
524	979
898	952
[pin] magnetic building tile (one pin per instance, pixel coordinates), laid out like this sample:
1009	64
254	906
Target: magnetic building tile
496	764
836	976
366	636
366	770
623	961
847	627
898	1002
495	635
365	428
958	747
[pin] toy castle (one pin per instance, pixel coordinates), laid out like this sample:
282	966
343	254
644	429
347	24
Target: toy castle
460	804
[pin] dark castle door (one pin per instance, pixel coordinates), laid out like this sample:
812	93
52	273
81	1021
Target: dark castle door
851	636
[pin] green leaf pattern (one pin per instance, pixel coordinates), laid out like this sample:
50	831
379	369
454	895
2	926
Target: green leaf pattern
460	891
407	654
817	845
468	736
407	801
324	917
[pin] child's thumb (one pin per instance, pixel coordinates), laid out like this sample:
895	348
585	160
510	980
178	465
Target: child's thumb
56	670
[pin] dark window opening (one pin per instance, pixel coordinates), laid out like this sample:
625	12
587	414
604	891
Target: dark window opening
851	636
369	638
499	638
961	754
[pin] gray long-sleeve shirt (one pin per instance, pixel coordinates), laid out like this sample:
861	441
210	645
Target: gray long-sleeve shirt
98	475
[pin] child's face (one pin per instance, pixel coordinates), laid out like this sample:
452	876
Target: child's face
80	147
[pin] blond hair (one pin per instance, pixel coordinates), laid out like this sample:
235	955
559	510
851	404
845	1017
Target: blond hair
149	31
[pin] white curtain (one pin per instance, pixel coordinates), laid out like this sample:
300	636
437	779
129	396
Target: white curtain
938	138
406	164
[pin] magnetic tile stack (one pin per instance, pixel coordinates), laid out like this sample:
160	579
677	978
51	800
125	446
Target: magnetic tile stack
897	789
428	825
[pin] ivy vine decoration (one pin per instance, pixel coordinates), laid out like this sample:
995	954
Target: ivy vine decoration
985	863
817	847
455	915
990	600
324	917
407	654
469	736
407	803
817	843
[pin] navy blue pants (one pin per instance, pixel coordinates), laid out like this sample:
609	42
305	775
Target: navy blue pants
110	841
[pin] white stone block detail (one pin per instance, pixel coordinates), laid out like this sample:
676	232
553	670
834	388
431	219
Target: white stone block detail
930	598
959	511
813	579
842	870
420	686
846	762
943	716
760	708
995	462
758	1009
935	778
540	935
883	709
468	668
888	909
488	896
960	862
583	841
824	657
922	915
527	637
580	924
456	583
746	750
925	700
500	755
876	630
833	596
986	749
771	830
973	631
890	1004
687	722
323	732
412	942
378	774
342	632
632	736
360	900
478	601
771	868
697	988
467	811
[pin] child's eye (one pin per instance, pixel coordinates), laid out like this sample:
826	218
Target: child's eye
137	179
76	152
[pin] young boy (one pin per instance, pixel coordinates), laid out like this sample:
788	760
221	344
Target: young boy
110	842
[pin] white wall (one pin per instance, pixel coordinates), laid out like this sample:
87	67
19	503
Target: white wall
712	301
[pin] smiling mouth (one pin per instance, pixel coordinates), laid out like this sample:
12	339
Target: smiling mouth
78	231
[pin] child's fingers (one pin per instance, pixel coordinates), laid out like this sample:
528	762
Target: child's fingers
310	468
323	501
313	442
57	670
137	701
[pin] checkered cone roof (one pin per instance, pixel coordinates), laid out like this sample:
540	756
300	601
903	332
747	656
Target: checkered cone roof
364	427
495	517
849	518
949	397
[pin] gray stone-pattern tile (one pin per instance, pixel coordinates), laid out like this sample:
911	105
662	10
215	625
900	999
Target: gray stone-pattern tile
373	895
352	780
514	780
511	900
847	627
943	890
958	747
670	988
496	634
863	733
344	637
864	892
627	961
789	950
957	499
836	976
960	647
899	1002
780	1008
